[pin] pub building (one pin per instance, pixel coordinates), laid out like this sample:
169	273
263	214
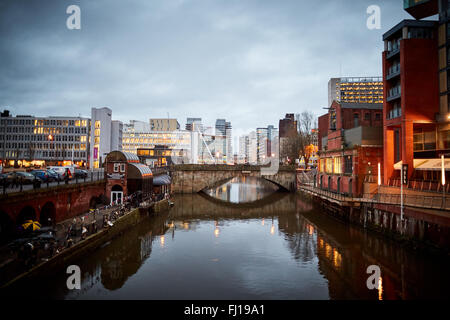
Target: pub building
126	176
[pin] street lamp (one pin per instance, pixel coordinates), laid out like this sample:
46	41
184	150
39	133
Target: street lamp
443	180
379	180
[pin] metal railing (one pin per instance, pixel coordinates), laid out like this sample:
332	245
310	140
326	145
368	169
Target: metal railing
435	201
9	186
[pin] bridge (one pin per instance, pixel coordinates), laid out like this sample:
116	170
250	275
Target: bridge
192	178
57	203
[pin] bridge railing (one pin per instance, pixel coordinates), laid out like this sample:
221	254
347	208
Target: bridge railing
9	186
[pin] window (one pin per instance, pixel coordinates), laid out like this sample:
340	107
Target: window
116	167
367	116
333	119
377	116
337	165
355	120
122	167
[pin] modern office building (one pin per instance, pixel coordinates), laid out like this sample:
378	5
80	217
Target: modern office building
416	88
136	126
164	124
27	140
105	136
194	124
355	90
223	128
173	140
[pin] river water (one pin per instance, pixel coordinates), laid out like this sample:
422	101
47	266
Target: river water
245	241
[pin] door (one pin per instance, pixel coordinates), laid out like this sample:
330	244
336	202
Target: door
116	197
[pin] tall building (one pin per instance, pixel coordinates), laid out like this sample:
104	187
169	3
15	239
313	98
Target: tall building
262	140
194	124
252	148
416	88
355	90
164	124
287	130
105	136
244	144
223	128
27	140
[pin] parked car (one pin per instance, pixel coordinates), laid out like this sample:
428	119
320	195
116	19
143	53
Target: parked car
25	177
54	176
42	174
61	171
81	174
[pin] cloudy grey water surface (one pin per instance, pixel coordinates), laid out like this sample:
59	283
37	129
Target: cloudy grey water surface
280	248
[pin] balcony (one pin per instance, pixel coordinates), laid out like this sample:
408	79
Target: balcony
394	113
393	72
393	52
421	8
394	93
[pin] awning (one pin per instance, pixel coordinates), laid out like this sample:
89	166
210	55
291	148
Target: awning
161	180
427	164
138	170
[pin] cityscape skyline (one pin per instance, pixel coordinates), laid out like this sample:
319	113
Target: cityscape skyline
258	63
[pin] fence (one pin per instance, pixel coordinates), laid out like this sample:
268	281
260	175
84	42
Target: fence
435	201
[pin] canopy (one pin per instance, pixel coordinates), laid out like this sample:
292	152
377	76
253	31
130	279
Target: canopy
160	180
427	164
114	156
138	170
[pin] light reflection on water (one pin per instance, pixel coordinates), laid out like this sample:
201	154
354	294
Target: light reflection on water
286	249
243	190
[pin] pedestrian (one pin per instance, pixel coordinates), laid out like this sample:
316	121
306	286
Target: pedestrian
94	227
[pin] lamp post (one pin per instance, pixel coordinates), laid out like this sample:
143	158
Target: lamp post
379	181
443	181
401	192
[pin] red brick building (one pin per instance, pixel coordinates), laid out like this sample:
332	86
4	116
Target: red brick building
350	140
411	95
125	176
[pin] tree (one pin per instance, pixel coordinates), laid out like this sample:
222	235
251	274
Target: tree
301	144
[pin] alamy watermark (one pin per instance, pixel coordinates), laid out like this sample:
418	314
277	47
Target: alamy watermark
373	282
74	20
374	20
74	280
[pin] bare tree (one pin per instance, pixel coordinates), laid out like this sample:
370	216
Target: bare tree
299	144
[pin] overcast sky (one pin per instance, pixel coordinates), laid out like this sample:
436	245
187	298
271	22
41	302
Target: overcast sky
248	61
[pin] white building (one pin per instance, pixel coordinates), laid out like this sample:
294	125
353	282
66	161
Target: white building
27	140
176	140
252	148
105	137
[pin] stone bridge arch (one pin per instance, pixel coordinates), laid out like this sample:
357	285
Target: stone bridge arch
194	178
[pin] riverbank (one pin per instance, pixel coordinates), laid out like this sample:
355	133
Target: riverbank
421	229
89	244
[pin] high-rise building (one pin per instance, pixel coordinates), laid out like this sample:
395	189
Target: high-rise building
164	124
223	128
27	140
287	131
416	88
355	90
194	124
105	136
252	148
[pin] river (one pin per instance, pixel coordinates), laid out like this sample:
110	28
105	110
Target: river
244	240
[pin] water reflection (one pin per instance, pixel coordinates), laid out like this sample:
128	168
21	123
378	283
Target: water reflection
243	190
286	249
